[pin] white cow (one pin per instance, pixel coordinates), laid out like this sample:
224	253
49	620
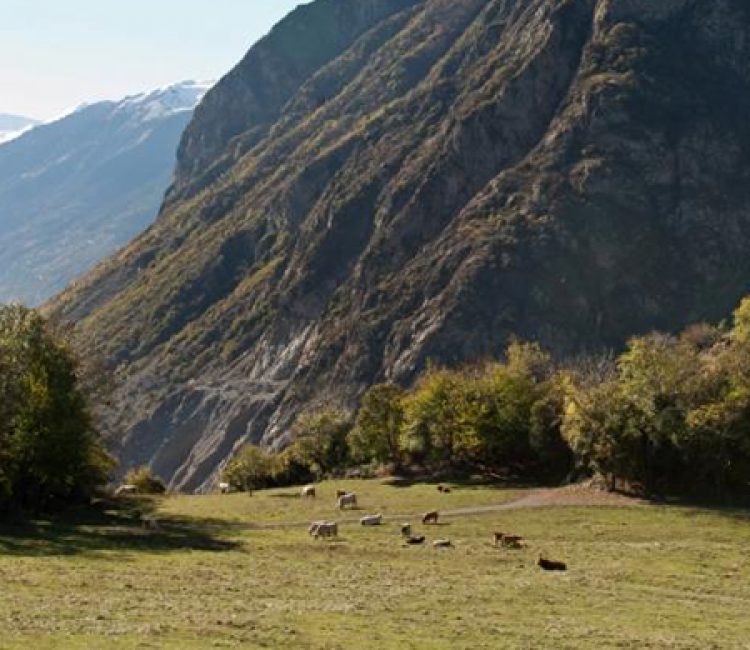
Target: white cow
324	529
307	491
126	489
372	520
225	488
442	543
347	500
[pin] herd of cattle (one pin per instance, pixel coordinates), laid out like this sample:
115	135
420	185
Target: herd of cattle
330	529
344	499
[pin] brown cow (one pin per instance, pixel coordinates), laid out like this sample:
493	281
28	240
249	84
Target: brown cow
512	541
551	565
430	517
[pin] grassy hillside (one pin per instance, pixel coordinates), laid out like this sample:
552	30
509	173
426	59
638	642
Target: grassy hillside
639	577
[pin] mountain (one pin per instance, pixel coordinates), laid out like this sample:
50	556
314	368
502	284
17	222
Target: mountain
11	126
384	182
76	189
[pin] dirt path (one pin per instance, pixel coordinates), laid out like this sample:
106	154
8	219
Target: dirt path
569	496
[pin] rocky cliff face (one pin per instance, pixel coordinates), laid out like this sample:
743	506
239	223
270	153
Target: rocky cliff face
438	176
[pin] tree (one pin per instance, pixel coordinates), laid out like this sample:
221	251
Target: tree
656	375
434	429
252	468
376	435
50	452
320	439
598	426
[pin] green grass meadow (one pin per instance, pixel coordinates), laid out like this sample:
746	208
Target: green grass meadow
227	571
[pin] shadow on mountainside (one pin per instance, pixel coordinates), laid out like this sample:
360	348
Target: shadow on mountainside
127	526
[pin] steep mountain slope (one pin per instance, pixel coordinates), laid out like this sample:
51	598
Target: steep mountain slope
13	125
74	190
446	174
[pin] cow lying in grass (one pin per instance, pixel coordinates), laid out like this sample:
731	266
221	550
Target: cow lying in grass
551	565
509	541
372	520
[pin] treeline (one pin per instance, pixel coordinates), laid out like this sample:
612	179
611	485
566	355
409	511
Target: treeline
50	452
671	414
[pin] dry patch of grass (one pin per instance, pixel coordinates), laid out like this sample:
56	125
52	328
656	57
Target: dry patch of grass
647	577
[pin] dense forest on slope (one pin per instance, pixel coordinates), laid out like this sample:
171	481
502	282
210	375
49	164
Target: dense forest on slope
383	182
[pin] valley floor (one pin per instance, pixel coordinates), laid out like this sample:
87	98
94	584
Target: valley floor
241	571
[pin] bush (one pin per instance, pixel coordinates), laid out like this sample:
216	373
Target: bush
251	469
145	481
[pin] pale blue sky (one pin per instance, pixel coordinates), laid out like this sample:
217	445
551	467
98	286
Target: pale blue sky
56	54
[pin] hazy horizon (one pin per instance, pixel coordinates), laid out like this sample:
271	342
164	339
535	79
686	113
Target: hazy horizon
59	55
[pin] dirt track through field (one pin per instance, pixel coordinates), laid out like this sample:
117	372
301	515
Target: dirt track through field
570	496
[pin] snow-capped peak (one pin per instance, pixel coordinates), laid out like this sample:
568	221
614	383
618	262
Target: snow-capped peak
159	103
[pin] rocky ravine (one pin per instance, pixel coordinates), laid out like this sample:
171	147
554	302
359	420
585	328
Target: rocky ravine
423	179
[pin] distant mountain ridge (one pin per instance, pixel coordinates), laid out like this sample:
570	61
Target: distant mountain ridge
11	126
74	190
381	183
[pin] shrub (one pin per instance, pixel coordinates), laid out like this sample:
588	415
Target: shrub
145	481
251	469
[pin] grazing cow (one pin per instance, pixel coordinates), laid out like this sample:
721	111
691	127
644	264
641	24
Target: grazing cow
430	517
551	565
406	530
224	488
440	488
314	526
442	543
446	490
349	499
341	493
372	520
512	541
325	529
308	491
126	489
415	540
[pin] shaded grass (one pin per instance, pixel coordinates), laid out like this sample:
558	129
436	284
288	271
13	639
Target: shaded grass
641	577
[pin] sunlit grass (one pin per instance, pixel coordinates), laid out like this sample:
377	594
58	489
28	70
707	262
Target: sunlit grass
640	577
